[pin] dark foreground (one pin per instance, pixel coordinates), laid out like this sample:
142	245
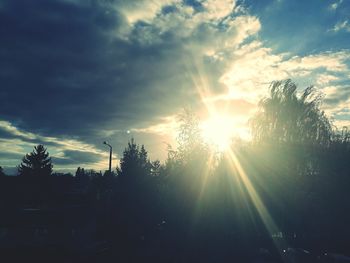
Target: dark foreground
102	219
105	252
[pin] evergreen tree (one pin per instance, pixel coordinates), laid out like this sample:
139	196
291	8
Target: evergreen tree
156	168
134	161
36	164
144	161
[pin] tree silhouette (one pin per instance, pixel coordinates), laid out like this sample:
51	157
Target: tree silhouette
191	147
189	136
134	161
156	168
286	117
144	161
36	164
80	172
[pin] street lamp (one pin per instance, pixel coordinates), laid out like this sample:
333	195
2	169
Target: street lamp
110	157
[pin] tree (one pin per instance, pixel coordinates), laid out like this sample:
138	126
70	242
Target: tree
293	128
286	117
156	168
191	147
189	136
60	174
80	172
36	164
134	161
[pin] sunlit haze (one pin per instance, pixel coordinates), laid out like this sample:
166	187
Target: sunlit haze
218	132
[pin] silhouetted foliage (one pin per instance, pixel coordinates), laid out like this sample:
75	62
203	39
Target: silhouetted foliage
92	173
191	153
135	161
190	141
62	174
286	117
80	172
156	168
107	173
36	164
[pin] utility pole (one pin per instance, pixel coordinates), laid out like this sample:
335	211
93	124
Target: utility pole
110	157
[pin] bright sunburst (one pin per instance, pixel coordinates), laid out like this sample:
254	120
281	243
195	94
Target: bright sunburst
218	131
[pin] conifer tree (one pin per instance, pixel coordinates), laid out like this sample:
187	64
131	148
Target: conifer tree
36	164
134	161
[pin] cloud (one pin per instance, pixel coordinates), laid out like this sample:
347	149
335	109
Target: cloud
144	10
336	104
10	155
331	61
324	79
217	9
254	67
342	95
71	157
341	25
335	5
8	131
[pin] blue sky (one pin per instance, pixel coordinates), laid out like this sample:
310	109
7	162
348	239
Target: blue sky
74	73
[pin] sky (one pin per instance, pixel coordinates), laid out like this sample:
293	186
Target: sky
74	73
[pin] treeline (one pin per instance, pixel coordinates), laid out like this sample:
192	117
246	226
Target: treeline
289	186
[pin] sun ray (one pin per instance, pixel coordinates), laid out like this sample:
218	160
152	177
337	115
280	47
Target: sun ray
218	131
263	212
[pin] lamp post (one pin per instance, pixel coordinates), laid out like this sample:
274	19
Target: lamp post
110	157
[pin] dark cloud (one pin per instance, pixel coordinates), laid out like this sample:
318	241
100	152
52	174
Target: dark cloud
10	156
197	5
341	96
66	70
169	9
62	68
6	134
77	158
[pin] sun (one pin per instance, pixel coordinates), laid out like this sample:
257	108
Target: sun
218	131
